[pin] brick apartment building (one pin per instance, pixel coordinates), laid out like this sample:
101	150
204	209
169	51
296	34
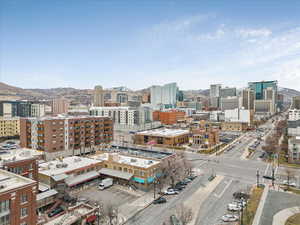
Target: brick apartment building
22	162
17	199
65	135
168	117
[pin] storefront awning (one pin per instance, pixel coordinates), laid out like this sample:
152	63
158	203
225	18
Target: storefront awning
46	194
72	181
59	177
116	173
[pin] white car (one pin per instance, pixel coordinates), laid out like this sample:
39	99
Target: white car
234	207
170	192
292	184
230	218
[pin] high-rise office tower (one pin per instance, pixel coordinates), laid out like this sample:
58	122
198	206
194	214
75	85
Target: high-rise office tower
259	87
164	95
98	96
247	98
215	90
60	106
227	92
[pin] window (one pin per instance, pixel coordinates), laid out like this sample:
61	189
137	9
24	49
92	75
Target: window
4	206
4	220
24	212
24	198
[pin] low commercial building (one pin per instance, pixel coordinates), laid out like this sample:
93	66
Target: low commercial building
168	117
125	169
65	135
71	171
294	150
17	199
205	138
9	127
167	137
234	126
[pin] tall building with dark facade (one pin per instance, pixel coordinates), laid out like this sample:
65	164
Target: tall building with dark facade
259	87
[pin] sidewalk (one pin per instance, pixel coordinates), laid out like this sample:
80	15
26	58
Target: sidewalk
260	208
129	209
282	216
197	199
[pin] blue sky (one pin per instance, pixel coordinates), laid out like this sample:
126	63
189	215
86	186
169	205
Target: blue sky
138	43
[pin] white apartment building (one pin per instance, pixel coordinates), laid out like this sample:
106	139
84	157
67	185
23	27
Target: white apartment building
124	115
294	149
38	110
239	115
164	95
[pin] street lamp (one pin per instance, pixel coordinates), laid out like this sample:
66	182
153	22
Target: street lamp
257	178
242	209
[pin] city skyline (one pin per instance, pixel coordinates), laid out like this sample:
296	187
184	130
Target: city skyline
143	44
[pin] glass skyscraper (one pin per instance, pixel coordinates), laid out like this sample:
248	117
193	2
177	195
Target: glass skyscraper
259	87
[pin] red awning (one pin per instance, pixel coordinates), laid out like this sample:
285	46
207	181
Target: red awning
91	218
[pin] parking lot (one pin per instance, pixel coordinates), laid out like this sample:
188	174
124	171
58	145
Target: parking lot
116	194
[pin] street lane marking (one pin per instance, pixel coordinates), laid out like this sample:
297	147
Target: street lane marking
227	186
267	168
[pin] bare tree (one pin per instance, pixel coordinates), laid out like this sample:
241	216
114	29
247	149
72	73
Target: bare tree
110	214
184	214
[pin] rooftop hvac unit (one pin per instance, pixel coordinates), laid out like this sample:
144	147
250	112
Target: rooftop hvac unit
133	160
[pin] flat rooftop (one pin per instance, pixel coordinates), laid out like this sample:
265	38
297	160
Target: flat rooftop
71	217
10	181
164	132
65	165
128	160
141	152
62	116
13	155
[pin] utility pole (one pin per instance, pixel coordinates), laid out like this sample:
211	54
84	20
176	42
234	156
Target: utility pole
257	178
273	174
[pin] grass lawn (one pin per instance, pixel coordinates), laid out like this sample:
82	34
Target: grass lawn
293	220
253	202
283	161
295	191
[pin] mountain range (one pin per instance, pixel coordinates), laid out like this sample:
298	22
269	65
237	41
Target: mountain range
12	92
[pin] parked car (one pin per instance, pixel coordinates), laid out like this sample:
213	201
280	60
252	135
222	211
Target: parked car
179	187
269	177
234	207
181	183
171	192
187	180
240	195
82	199
160	200
292	184
230	218
55	211
192	177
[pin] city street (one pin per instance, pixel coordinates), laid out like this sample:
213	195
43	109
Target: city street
238	173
